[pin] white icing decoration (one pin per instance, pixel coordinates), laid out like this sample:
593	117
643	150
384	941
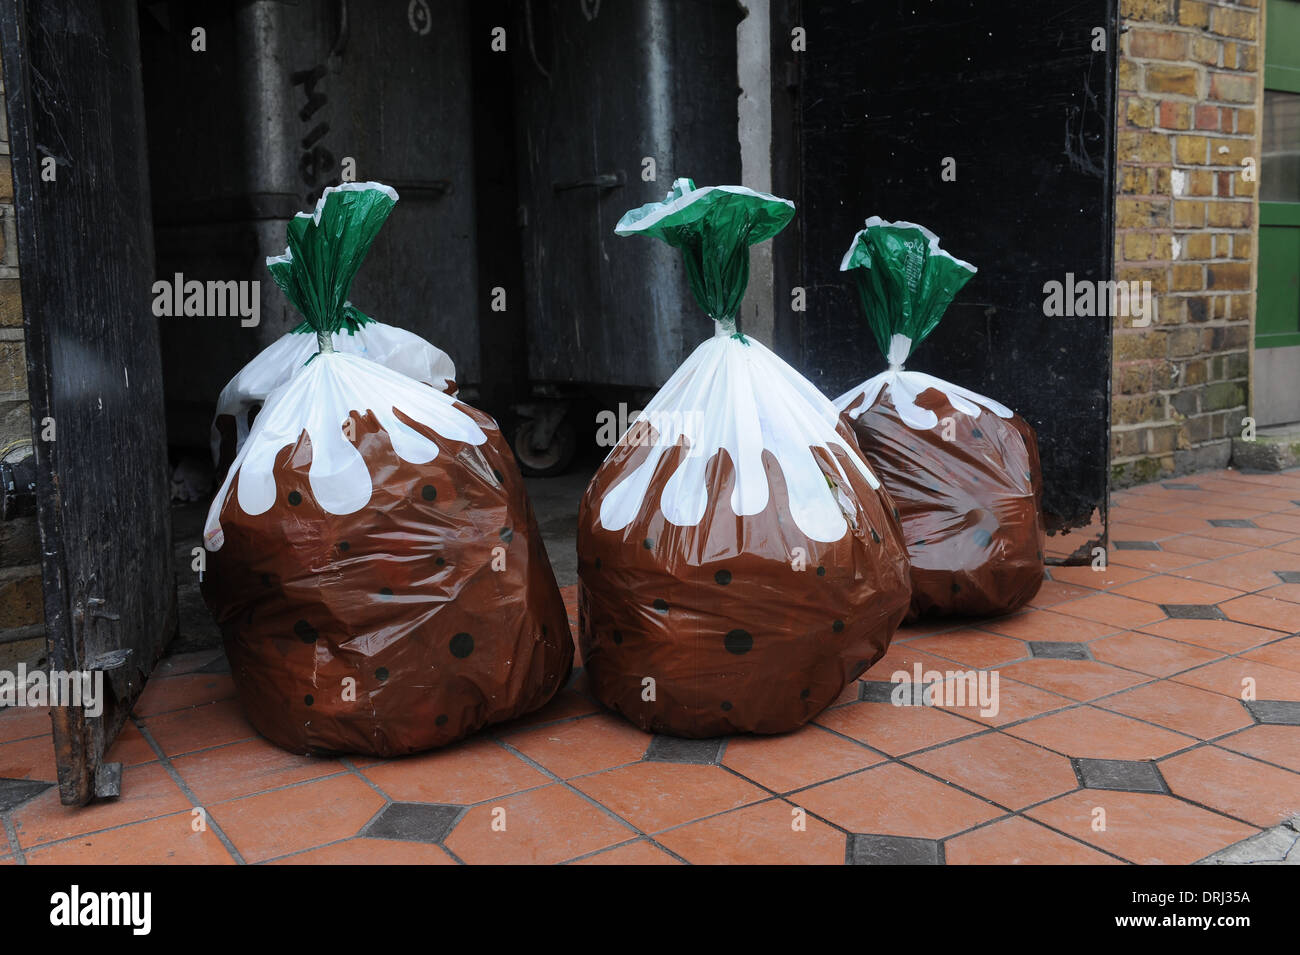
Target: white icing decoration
906	386
739	397
396	348
318	400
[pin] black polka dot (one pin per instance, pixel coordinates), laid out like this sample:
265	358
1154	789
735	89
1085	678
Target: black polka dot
723	577
385	592
617	637
266	580
821	571
738	642
874	536
497	474
896	516
860	669
309	699
956	587
428	492
440	561
295	498
838	626
441	720
343	546
805	693
648	544
726	704
598	563
976	433
507	534
305	631
661	605
982	537
381	674
462	645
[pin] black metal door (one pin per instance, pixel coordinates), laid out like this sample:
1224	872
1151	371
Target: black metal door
1018	94
85	251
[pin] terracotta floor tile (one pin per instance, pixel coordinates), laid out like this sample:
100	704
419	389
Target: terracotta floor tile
1092	733
1287	523
301	817
655	796
200	727
362	851
1006	770
1146	828
903	657
21	722
1205	547
29	759
1100	578
1288	547
130	748
1271	743
1017	841
1055	591
581	746
1152	561
565	705
177	692
973	648
1184	709
543	826
794	760
1234	784
1253	536
251	766
1231	573
170	840
1015	702
1156	656
1048	625
1281	653
1229	678
894	800
1080	680
1122	613
764	834
1263	612
462	774
1221	635
1176	590
178	664
634	853
897	729
1288	592
147	792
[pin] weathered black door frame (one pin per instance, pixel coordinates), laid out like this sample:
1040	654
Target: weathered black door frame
85	250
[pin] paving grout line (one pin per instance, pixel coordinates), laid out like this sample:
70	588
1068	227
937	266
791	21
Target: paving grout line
209	818
12	835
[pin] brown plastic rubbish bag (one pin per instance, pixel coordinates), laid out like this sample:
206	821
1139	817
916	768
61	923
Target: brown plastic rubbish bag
739	563
962	469
374	563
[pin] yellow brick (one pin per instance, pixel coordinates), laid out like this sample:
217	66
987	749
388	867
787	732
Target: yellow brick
1191	150
1235	23
1243	245
1152	11
1206	49
1188	278
1141	112
1137	146
1200	182
1193	14
1181	80
1229	215
1228	152
1197	245
1132	180
1140	213
1157	44
1164	246
1137	246
1130	75
1189	214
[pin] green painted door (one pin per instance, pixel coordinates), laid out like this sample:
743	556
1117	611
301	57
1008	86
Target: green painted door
1277	324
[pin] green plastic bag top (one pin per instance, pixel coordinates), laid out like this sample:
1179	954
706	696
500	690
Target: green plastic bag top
714	226
326	248
905	282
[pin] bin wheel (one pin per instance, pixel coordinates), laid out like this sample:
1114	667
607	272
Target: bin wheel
548	461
